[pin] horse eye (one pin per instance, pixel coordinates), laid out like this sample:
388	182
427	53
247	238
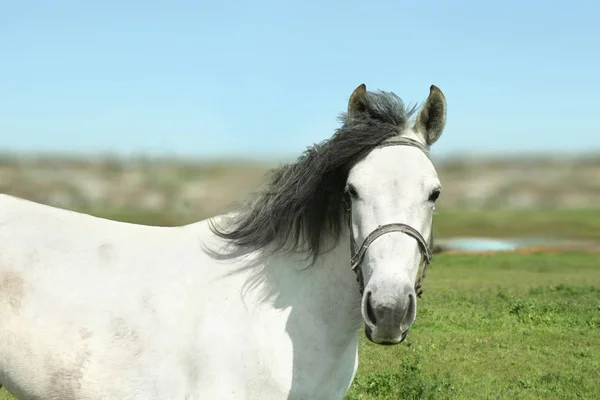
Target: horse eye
434	196
351	190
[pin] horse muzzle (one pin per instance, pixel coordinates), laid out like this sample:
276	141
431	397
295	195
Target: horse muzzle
389	315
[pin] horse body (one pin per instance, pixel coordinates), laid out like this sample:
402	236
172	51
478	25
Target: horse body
93	309
258	304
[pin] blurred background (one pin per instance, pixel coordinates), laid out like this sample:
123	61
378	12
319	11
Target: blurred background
165	113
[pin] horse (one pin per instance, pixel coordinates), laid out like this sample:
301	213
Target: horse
263	302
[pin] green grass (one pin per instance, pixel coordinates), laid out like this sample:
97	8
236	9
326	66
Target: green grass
561	223
508	326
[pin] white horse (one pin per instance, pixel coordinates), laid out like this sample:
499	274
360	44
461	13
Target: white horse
258	304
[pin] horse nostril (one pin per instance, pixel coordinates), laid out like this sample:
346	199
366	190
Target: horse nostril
370	312
411	310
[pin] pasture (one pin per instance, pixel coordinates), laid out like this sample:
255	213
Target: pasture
515	325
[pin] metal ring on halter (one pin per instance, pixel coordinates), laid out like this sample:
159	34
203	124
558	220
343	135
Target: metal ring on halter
358	255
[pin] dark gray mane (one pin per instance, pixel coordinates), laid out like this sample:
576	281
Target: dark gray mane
304	202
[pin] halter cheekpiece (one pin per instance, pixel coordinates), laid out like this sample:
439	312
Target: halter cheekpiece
359	254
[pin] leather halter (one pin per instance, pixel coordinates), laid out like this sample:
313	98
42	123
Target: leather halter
359	255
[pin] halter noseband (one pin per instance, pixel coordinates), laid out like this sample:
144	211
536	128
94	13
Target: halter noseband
359	255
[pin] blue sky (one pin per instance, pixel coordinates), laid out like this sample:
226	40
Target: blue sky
268	78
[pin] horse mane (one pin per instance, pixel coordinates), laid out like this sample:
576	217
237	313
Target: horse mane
303	202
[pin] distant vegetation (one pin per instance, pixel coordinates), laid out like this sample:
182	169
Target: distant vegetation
193	190
495	197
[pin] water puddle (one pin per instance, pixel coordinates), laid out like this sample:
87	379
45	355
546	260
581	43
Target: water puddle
483	244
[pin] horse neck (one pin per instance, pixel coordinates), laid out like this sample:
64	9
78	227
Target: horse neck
326	290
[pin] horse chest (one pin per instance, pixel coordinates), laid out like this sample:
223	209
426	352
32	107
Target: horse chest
278	354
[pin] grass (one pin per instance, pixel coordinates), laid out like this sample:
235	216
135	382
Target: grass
561	223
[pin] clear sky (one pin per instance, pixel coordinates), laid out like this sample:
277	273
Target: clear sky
268	78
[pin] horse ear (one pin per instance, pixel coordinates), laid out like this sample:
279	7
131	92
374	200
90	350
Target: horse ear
358	101
432	117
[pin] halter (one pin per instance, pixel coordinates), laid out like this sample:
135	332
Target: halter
359	255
